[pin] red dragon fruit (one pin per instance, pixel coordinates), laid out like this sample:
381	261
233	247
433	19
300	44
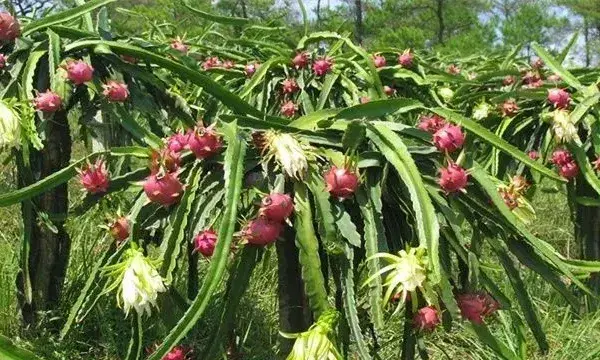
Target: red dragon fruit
178	141
79	72
300	60
533	155
322	66
277	207
453	178
211	62
509	108
250	69
47	101
449	138
94	177
561	157
426	319
164	189
289	108
262	231
559	98
532	79
475	307
405	59
508	80
205	242
431	123
2	61
341	182
537	63
9	27
119	229
204	142
389	91
289	86
179	45
568	170
379	60
115	91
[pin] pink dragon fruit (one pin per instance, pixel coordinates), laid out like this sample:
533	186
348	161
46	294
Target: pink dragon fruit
449	138
405	59
289	86
277	207
322	66
559	98
228	64
9	27
300	60
379	60
389	91
204	141
115	91
205	242
341	182
164	189
475	307
47	102
94	177
289	109
250	69
509	108
426	319
532	79
119	229
262	231
179	45
178	141
431	123
2	61
453	178
537	63
79	72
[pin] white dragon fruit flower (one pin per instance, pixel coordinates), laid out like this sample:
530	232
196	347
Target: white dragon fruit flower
139	283
10	127
288	152
481	111
563	127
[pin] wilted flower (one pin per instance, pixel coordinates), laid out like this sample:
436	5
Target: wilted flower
10	127
562	126
138	281
431	123
178	45
289	153
211	62
509	108
453	69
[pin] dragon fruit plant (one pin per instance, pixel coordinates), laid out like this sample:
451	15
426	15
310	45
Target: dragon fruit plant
236	162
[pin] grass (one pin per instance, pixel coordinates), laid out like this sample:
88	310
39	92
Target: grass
105	333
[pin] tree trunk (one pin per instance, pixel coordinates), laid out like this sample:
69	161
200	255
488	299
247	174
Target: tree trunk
47	258
294	315
358	21
587	229
440	16
318	11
